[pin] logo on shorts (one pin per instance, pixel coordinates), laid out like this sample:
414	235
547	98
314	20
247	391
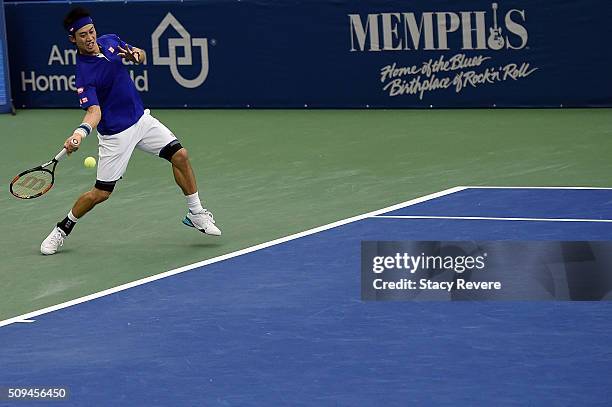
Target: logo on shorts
186	42
84	100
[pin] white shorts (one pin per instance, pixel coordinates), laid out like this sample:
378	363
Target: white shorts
147	134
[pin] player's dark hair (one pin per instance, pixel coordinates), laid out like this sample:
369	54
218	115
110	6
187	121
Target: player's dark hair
75	14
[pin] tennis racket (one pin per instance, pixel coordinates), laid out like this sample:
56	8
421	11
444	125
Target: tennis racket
36	181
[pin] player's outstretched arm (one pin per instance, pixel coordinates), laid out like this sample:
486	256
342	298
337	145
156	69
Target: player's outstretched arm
90	121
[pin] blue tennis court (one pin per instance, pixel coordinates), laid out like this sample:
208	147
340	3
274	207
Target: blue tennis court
283	323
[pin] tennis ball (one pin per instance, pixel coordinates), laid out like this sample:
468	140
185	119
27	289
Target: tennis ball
89	162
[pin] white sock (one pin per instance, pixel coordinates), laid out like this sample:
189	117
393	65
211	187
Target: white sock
193	203
72	217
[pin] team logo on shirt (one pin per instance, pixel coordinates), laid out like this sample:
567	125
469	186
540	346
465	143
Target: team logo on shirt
111	49
186	42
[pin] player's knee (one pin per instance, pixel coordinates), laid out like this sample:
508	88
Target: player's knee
180	157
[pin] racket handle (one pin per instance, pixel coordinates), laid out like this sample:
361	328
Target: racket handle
61	154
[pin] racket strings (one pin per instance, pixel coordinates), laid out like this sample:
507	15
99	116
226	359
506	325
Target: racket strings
32	183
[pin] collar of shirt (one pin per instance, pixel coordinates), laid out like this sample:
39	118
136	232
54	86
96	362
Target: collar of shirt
92	58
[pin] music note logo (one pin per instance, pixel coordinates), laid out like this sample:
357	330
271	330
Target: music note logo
495	40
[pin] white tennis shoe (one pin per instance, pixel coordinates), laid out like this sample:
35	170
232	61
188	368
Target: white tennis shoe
203	221
53	242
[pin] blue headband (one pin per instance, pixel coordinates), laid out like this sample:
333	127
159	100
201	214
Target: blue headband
78	24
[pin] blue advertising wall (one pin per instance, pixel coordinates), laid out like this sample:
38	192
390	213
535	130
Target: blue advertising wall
5	92
333	53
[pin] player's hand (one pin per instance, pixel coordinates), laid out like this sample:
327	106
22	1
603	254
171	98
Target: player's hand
73	143
129	54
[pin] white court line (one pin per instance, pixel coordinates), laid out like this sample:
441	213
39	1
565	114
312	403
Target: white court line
501	187
251	249
490	218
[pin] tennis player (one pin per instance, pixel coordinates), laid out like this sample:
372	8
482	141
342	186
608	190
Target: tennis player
107	93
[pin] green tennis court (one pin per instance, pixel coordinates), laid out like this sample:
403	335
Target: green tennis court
268	174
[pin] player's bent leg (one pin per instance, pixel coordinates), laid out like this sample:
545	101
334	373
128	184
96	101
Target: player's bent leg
197	217
84	204
159	140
